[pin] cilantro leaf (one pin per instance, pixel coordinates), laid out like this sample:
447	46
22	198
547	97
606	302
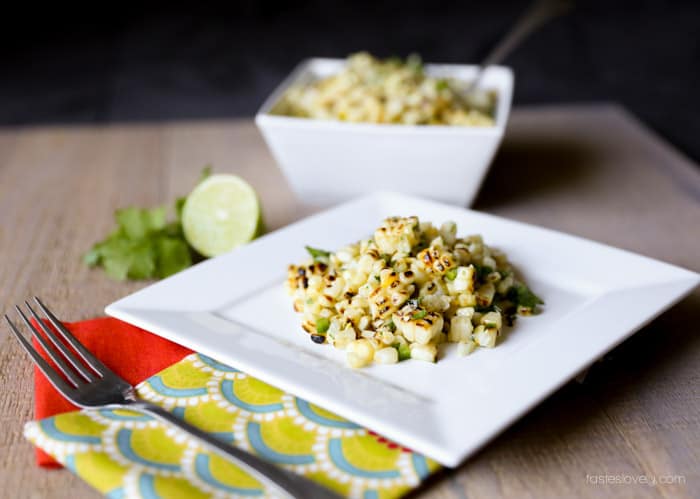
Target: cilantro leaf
173	256
179	205
92	257
482	271
317	254
141	259
136	223
521	295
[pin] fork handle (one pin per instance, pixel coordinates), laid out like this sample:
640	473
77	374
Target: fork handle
283	483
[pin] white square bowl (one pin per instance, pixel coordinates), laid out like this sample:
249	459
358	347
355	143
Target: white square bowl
330	161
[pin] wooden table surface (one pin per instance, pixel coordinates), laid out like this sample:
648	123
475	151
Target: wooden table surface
592	171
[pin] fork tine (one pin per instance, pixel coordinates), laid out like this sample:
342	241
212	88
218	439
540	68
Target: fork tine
90	359
57	359
43	366
70	357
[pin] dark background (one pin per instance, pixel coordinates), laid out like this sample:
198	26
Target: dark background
109	62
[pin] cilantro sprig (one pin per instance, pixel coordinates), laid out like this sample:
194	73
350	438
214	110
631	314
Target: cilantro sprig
144	245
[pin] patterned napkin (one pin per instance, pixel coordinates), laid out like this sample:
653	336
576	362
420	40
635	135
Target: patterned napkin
125	454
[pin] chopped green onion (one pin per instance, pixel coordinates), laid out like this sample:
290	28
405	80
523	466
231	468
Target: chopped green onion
419	314
322	325
391	325
317	254
451	274
404	351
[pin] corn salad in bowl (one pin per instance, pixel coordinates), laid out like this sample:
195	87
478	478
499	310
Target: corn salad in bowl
406	290
370	90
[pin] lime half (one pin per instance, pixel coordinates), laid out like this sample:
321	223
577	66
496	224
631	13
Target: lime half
222	212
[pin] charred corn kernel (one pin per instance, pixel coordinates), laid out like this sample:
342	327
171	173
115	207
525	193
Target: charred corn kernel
388	337
389	278
448	232
426	352
484	295
465	312
400	340
460	329
334	286
465	300
463	282
436	303
344	337
397	234
492	320
418	327
435	260
359	353
466	347
388	355
461	253
362	347
485	337
524	310
363	322
489	262
493	277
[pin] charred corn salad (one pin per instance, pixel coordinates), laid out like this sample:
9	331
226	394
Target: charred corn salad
387	91
406	290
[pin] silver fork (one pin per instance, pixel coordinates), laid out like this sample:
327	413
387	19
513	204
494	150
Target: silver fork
89	384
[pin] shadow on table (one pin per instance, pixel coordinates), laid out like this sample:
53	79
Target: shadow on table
535	166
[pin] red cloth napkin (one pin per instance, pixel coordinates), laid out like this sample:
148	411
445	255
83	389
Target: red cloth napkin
131	352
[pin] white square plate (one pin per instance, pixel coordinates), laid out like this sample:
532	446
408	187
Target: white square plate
234	309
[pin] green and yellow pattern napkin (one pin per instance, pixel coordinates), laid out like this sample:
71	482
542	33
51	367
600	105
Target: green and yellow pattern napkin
128	455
